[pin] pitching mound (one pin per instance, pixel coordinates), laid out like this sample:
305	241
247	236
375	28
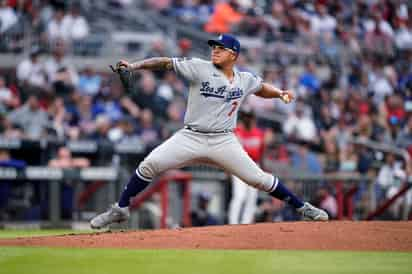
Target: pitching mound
379	236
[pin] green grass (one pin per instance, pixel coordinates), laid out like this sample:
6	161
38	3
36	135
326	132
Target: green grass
17	260
13	233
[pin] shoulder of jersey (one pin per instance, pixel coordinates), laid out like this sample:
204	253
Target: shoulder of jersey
203	61
247	73
195	59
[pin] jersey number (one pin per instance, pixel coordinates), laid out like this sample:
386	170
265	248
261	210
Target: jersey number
234	106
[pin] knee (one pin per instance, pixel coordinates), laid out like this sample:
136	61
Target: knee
147	169
263	181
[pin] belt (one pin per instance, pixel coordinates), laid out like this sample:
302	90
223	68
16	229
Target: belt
208	132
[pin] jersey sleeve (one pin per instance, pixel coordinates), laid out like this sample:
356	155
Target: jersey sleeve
188	68
254	83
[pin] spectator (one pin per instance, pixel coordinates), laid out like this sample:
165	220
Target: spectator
89	82
341	132
195	12
78	28
7	187
83	118
159	49
60	118
309	81
379	35
332	160
109	102
386	174
224	17
269	210
160	6
393	108
7	17
113	102
185	48
8	98
201	215
326	122
299	125
65	160
348	159
31	72
306	161
59	27
124	130
389	180
322	22
329	48
404	139
148	131
403	36
251	23
8	130
363	129
170	87
399	179
379	25
327	201
147	97
379	83
103	125
31	118
175	114
61	74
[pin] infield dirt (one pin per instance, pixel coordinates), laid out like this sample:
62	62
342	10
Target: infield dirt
338	235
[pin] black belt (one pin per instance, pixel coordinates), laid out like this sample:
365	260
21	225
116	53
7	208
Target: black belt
208	132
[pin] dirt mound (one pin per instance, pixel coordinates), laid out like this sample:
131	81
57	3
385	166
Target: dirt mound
388	236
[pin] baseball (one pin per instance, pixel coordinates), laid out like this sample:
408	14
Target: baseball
286	98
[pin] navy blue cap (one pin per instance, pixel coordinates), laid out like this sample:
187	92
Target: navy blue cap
226	41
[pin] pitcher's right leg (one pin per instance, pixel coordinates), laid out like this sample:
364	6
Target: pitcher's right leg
179	150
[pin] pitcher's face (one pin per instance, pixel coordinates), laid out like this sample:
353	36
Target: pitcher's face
222	56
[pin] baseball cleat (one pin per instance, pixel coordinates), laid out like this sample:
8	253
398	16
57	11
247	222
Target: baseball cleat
114	214
311	213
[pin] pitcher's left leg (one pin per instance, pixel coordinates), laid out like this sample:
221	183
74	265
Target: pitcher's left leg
229	154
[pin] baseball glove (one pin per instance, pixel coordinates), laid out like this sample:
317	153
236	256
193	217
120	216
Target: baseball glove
125	75
119	67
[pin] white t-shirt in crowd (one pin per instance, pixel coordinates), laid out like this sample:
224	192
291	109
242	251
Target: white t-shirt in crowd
31	72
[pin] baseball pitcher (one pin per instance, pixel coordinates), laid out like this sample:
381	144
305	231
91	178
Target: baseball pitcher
217	89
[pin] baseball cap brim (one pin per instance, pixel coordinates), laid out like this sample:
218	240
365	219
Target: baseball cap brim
215	42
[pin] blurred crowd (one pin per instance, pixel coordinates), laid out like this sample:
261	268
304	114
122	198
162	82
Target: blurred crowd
44	21
50	98
356	82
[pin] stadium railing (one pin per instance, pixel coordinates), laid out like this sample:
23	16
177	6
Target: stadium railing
54	176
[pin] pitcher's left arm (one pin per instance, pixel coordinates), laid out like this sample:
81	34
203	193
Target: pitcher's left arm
269	91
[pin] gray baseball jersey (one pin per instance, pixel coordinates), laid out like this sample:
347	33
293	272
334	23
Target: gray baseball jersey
212	107
213	101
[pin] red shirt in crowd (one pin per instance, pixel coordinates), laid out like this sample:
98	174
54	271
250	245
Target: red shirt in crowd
252	141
